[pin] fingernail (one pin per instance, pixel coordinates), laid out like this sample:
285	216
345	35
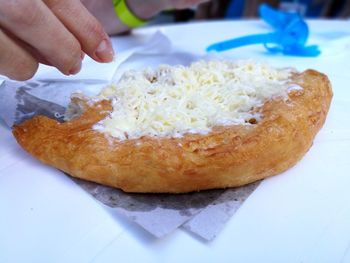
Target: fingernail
76	68
104	52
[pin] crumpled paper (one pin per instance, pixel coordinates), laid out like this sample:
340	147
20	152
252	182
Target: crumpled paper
202	213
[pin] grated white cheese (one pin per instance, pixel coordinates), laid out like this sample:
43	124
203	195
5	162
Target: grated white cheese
174	100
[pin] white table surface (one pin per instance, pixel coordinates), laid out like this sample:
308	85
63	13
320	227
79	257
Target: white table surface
302	215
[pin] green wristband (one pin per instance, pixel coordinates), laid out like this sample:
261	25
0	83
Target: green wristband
126	16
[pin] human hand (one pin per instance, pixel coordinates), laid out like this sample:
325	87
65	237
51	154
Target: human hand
181	4
54	32
149	8
103	10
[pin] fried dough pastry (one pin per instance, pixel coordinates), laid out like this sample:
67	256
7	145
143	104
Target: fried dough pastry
229	156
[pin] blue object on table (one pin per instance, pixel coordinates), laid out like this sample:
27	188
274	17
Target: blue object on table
290	35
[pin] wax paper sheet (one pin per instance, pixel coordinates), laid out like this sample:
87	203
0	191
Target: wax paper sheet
202	213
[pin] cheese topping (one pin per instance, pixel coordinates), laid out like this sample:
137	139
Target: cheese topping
174	100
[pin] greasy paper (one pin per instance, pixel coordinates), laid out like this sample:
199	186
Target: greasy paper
203	213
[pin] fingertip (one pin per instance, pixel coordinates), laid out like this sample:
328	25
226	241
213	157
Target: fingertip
76	68
24	72
104	51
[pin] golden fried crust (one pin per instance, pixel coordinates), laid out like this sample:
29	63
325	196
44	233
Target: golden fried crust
227	157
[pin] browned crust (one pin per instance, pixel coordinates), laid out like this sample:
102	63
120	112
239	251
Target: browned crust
227	157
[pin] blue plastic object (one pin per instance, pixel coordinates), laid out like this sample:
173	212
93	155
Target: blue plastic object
290	35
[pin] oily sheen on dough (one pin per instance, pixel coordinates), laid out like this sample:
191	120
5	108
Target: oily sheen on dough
229	156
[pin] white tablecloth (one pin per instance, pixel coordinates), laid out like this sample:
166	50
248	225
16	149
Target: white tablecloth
302	215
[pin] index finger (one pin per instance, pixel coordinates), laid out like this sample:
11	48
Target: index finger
84	26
